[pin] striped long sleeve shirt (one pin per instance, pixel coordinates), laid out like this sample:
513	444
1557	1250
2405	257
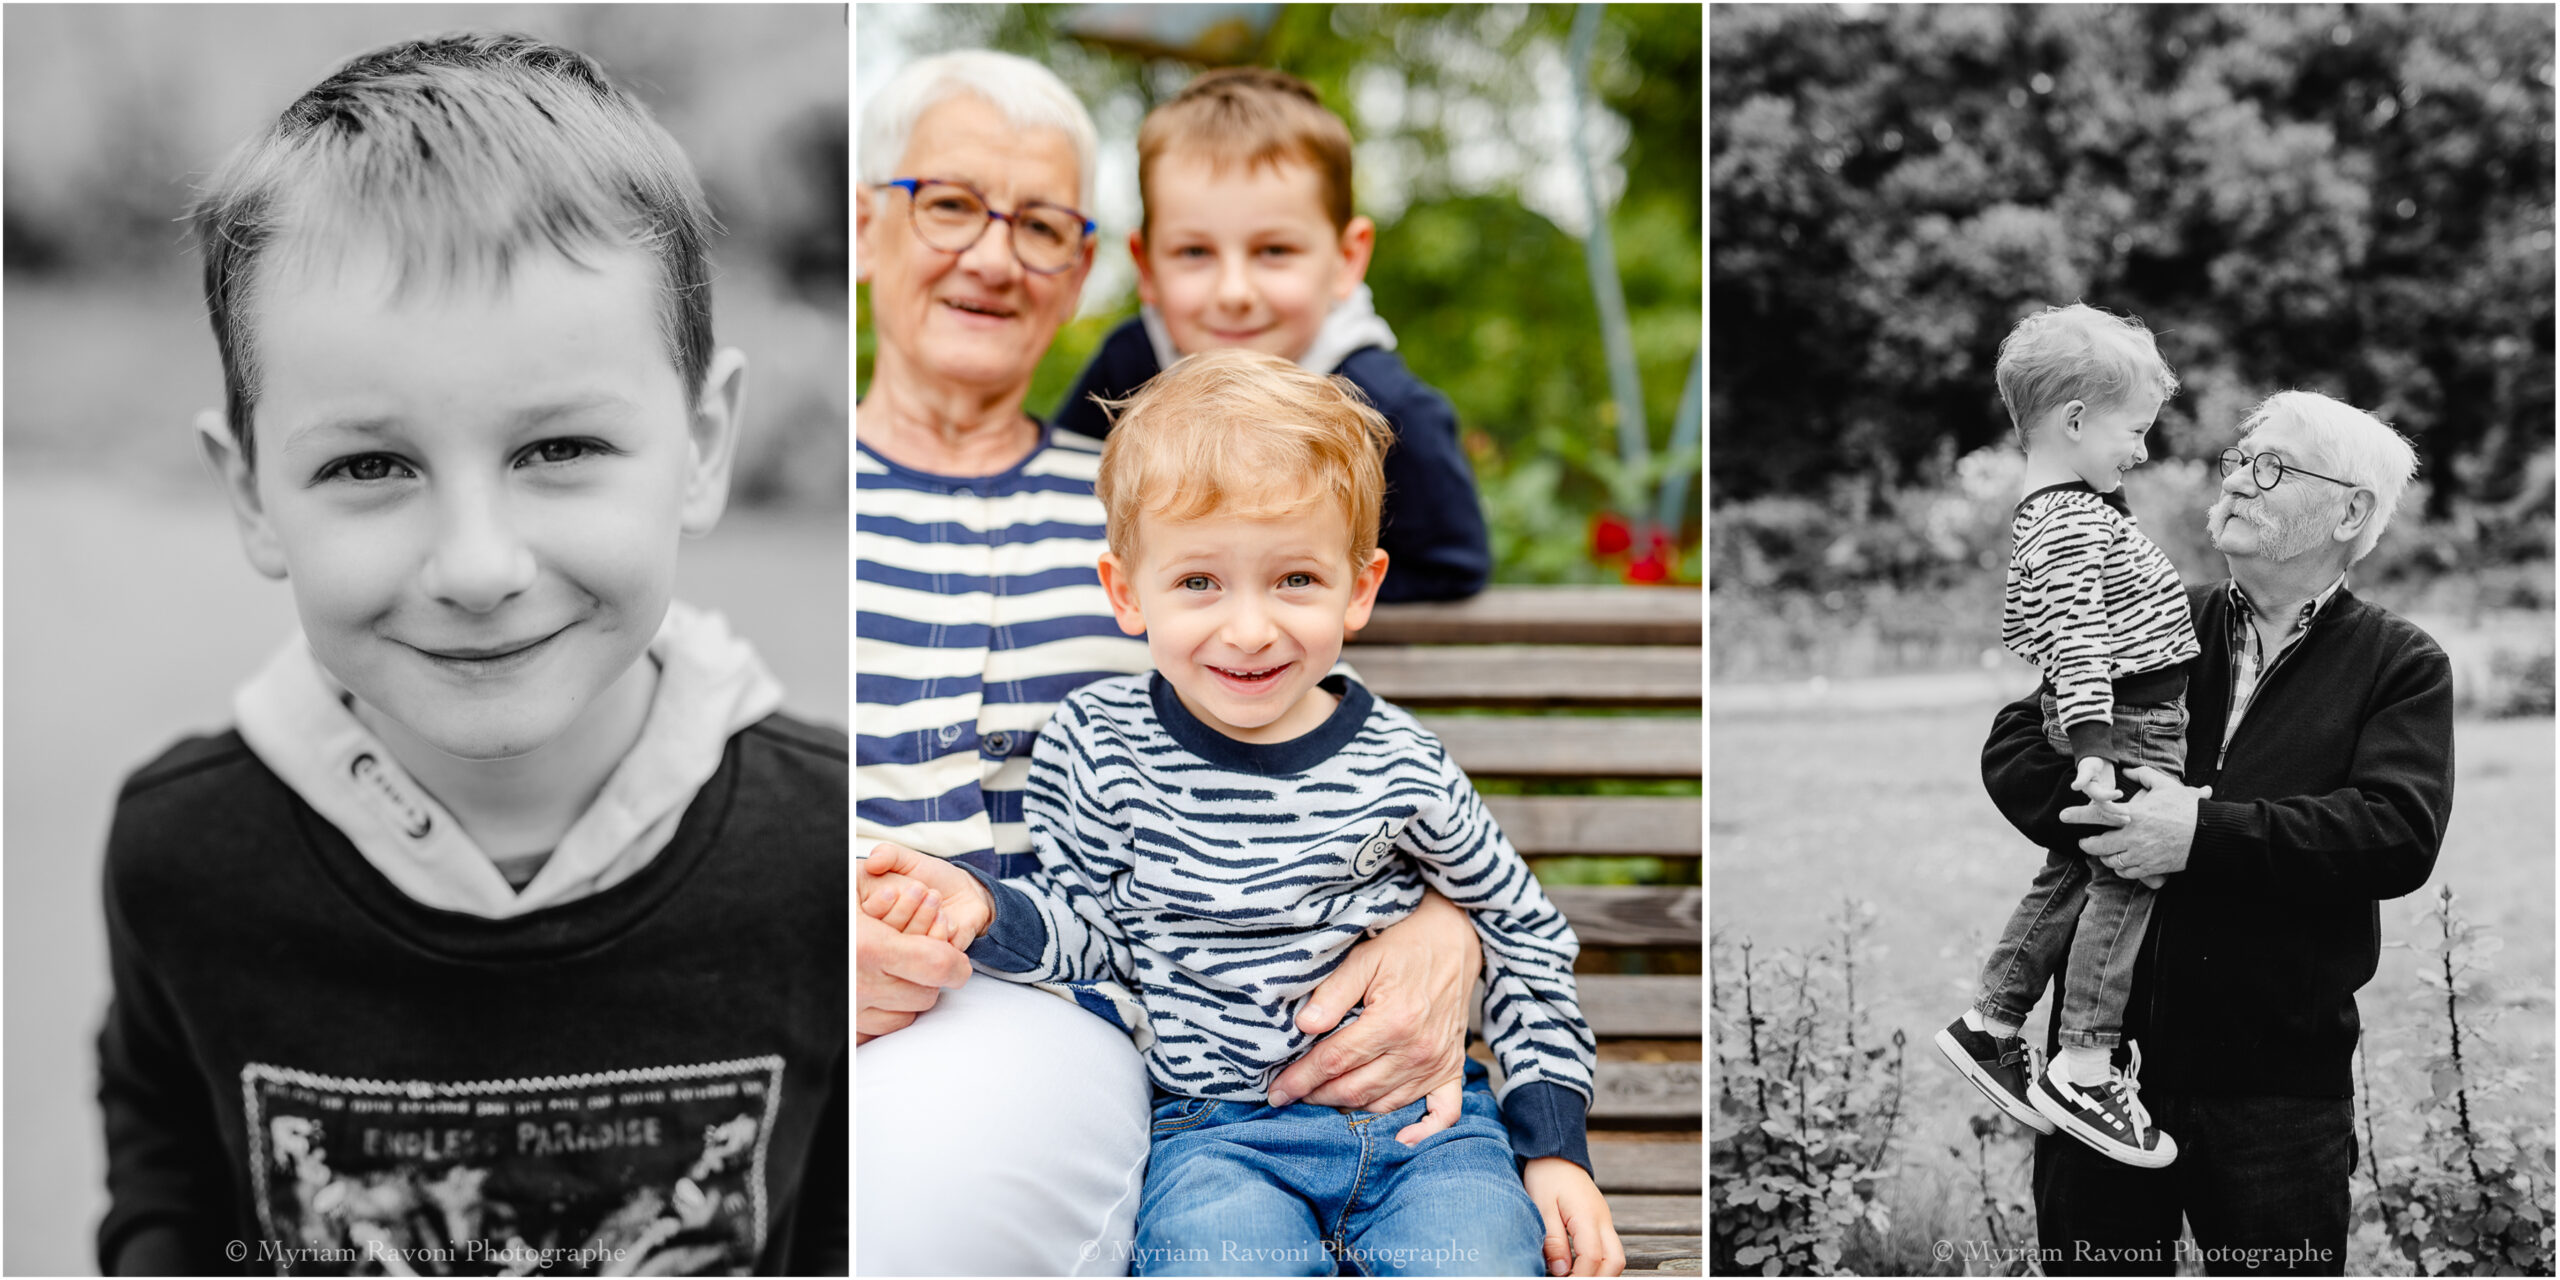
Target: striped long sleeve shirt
1225	880
2090	599
979	608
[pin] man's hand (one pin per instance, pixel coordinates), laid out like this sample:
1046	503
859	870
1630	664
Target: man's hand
917	893
897	976
2154	831
2096	778
1581	1238
1413	983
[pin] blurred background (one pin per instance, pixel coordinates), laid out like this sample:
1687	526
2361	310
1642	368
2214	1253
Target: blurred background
1462	118
2347	199
132	614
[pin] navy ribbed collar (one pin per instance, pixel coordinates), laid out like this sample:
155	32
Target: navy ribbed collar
1267	759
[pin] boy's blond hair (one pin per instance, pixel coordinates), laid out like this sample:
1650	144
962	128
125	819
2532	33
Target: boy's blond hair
1253	117
1242	433
457	154
2078	352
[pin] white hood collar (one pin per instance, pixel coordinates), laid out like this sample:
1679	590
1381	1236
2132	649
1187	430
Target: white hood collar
710	685
1353	323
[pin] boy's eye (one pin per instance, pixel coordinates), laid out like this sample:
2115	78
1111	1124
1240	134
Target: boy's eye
1196	582
1278	250
559	451
363	468
1299	580
1191	251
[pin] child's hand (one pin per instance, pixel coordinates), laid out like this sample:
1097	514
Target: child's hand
1440	1110
1581	1239
2096	779
918	893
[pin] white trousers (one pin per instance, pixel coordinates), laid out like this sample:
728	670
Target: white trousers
1003	1133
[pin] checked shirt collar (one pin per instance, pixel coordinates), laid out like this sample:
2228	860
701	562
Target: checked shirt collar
2250	667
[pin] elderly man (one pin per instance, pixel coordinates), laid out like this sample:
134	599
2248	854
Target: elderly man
2319	777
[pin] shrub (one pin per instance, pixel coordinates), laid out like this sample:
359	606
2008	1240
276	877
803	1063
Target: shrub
1806	1103
2466	1195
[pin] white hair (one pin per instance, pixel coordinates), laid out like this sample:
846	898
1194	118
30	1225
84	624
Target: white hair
1029	95
2352	445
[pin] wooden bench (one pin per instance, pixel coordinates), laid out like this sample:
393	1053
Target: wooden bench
1634	655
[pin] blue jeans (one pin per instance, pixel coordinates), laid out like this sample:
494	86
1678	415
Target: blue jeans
1243	1189
2077	907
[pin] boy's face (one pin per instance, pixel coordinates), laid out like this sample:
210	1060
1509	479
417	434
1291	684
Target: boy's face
1245	614
2110	440
476	490
1244	257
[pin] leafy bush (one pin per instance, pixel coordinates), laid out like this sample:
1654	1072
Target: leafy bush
2464	1195
1807	1100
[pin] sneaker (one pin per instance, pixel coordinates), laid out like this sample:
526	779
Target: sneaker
2108	1118
2000	1066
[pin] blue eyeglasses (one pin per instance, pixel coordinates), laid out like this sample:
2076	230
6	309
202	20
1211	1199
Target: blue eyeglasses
951	216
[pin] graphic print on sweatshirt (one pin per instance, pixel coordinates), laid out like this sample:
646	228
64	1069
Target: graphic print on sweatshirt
658	1171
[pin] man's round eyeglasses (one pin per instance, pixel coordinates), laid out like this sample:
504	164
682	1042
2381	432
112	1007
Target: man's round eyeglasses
951	216
2269	470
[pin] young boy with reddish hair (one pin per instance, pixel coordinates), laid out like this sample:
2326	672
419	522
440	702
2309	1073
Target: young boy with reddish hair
506	930
1248	240
1216	834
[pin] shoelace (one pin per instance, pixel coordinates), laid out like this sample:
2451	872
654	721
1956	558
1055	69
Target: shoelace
2125	1085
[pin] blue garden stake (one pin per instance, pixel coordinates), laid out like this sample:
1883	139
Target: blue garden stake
1605	290
1684	437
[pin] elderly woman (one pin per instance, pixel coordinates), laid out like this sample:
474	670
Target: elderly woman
1004	1129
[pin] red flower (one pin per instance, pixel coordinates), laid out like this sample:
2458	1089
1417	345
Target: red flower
1645	569
1610	535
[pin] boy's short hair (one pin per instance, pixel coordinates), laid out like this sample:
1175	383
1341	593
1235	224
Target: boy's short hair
2348	443
1251	116
1242	432
2062	354
456	154
1029	96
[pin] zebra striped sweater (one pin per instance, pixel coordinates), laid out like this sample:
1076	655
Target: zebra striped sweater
1224	880
2090	599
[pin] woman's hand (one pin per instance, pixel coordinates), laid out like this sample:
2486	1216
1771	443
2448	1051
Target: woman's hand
1413	984
1581	1237
897	976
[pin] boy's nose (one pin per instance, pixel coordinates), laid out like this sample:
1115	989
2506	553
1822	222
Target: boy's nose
1249	629
480	562
1235	289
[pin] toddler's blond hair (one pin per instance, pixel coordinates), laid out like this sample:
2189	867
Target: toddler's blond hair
2062	354
1241	432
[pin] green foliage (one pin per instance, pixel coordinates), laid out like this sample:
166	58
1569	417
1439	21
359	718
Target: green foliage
2465	1195
1490	301
1807	1100
2354	201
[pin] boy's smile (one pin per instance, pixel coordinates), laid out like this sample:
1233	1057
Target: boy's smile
476	492
1244	256
1245	614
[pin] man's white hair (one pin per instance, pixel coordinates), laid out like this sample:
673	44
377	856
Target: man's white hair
1029	95
2351	445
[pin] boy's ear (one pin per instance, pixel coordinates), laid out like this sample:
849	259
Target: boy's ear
1364	591
2071	418
1146	269
1123	593
714	440
1359	240
239	482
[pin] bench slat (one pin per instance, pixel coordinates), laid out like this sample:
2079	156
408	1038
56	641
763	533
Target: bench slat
1657	1215
1534	675
1647	1090
1546	615
1616	826
1646	1006
1641	916
1657	1167
1659	1253
1574	746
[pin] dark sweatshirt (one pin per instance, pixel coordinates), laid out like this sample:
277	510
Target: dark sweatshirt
1431	526
302	1066
2333	796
